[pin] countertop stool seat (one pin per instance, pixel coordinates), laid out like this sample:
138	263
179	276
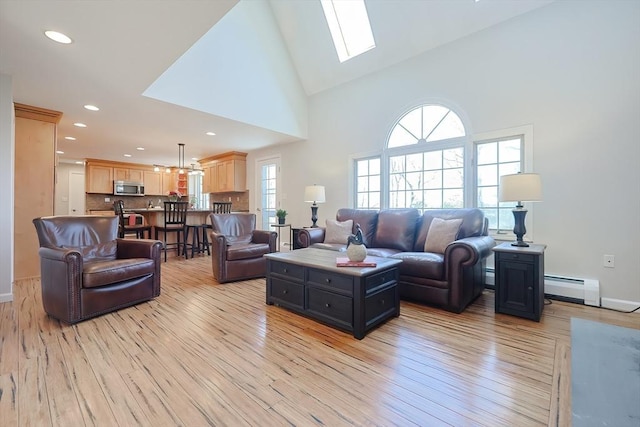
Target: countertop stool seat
199	240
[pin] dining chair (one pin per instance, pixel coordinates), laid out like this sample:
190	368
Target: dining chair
175	221
125	227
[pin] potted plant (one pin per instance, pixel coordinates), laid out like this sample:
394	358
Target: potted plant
281	214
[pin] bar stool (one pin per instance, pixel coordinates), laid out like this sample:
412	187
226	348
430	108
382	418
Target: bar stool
199	240
175	221
221	207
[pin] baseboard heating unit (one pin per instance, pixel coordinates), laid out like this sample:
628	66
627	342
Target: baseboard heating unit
584	291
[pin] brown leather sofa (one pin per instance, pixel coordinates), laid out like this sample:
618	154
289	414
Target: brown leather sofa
87	271
237	247
451	280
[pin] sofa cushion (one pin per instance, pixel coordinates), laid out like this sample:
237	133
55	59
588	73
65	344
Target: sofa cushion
101	273
421	264
441	233
246	251
338	231
396	229
473	224
366	218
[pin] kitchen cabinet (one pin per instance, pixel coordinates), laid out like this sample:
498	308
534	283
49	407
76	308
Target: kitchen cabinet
225	173
35	164
131	175
99	179
152	183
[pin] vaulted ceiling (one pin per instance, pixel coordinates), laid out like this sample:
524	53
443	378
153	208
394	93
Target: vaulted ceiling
167	72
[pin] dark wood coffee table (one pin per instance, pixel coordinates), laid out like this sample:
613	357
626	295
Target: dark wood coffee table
353	299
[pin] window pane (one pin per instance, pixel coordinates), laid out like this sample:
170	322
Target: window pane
363	184
374	183
397	182
433	160
452	178
453	198
450	127
363	167
509	168
414	181
488	197
453	158
487	175
396	164
433	179
491	215
433	199
416	200
374	166
400	137
510	150
374	201
396	199
414	162
506	220
432	115
487	153
412	122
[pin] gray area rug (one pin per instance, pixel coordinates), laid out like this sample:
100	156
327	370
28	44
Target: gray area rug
605	374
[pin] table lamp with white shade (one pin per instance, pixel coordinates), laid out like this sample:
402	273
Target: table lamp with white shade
314	194
520	187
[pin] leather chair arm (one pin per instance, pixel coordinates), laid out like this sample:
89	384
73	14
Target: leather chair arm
264	236
136	248
61	291
309	236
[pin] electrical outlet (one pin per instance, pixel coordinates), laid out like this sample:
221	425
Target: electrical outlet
107	199
609	261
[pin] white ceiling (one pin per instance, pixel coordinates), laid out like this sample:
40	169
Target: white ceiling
121	48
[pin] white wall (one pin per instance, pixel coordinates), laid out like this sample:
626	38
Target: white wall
570	69
6	177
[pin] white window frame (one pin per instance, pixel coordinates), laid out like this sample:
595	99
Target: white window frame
526	131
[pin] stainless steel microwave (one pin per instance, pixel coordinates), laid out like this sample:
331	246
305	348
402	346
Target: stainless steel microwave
125	188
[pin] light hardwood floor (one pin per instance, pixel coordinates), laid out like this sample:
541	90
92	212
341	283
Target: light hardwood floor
210	354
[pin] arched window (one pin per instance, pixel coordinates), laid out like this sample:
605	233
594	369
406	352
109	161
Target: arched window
423	174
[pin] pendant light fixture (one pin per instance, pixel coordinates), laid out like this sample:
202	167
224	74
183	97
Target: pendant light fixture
180	157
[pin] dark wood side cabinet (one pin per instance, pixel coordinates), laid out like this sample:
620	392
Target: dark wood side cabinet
519	280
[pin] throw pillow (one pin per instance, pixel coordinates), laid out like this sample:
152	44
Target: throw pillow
338	232
99	252
441	233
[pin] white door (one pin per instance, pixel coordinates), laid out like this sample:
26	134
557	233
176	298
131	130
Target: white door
76	193
268	177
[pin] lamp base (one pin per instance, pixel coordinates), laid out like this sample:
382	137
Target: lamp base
314	215
519	213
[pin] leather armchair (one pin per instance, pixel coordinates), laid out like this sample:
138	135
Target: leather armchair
237	248
87	271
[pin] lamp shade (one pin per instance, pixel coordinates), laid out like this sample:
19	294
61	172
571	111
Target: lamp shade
314	194
520	187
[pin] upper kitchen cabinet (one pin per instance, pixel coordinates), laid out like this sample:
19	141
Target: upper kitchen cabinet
126	174
35	163
152	183
99	178
225	173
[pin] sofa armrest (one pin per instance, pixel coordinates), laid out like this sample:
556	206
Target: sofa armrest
309	236
469	251
138	248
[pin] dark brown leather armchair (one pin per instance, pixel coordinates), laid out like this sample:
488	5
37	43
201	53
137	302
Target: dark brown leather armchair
237	248
87	271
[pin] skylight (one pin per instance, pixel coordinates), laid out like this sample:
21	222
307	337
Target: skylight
349	25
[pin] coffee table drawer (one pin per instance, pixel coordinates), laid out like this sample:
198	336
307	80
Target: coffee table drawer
380	279
330	306
287	292
290	271
332	280
380	305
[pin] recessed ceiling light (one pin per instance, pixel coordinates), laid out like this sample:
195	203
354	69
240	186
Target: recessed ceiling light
140	148
79	162
127	155
194	158
211	133
58	37
59	152
80	125
91	107
69	138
